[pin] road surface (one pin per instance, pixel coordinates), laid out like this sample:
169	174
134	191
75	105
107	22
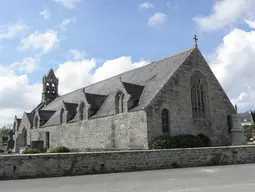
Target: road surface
204	179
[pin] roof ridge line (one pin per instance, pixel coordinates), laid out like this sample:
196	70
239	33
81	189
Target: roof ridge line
173	55
87	86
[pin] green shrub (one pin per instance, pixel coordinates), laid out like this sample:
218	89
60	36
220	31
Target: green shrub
60	149
187	141
44	150
205	139
181	141
31	151
163	142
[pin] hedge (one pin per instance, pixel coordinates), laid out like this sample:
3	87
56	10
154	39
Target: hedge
181	141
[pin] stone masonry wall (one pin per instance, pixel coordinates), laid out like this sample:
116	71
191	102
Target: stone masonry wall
50	165
176	97
122	131
24	128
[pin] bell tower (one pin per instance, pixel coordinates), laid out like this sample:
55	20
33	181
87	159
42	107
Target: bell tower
50	87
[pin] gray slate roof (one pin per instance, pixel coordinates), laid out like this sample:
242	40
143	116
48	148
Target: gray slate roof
30	117
143	82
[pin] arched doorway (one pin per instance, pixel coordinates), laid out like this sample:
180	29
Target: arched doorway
24	137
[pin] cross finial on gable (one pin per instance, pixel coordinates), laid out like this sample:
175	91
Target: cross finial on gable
195	38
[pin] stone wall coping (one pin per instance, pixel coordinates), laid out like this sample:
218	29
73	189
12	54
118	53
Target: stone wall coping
130	151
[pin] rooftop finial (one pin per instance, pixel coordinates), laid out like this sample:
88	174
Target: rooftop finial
195	38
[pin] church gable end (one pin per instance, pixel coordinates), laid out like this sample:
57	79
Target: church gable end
16	124
22	123
199	64
196	102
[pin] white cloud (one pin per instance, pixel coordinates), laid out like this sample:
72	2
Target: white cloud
45	13
45	42
81	71
251	23
10	31
67	21
77	55
64	24
226	13
234	67
78	70
157	19
146	5
114	67
27	65
70	4
16	95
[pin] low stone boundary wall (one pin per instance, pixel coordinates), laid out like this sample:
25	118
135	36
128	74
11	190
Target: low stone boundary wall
51	165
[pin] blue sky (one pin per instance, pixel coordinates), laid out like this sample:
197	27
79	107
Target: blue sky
88	40
109	29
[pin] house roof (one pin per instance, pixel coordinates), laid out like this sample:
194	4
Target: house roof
30	117
246	117
19	121
143	83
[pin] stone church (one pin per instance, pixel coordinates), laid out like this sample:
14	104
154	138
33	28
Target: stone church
175	95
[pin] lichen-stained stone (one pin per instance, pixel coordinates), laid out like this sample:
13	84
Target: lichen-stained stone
67	164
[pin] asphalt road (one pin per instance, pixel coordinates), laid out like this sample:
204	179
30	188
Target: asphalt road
206	179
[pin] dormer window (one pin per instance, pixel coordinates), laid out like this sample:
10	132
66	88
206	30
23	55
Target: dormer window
119	102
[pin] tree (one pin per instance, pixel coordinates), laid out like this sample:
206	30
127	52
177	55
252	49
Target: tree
248	131
4	131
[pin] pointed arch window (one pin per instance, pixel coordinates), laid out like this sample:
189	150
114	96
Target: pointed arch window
165	121
119	102
198	96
